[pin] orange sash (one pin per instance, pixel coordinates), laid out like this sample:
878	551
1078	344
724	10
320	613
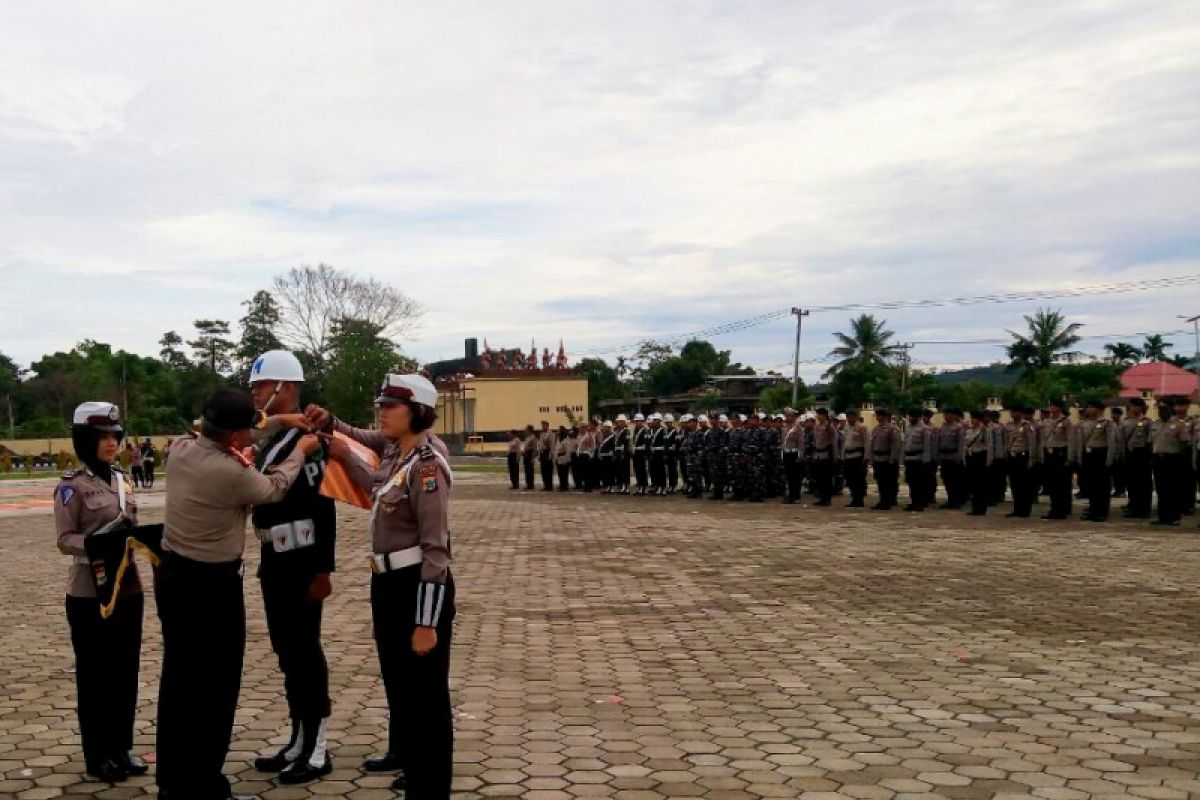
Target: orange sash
337	483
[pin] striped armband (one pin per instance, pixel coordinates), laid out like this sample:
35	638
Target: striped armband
430	596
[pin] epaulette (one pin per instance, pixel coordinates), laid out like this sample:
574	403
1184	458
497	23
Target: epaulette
425	452
73	473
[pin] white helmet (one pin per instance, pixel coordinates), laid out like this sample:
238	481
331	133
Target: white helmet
841	417
723	418
668	417
656	417
276	365
702	418
622	418
639	417
683	418
741	417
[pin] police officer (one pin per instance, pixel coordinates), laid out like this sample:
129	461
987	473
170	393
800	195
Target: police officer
97	497
977	446
514	458
641	453
1096	452
998	479
547	444
621	449
1057	459
884	453
716	449
606	456
918	461
1137	453
792	440
855	440
1118	470
951	457
824	452
199	591
657	446
529	452
1172	446
564	452
412	588
674	453
1021	455
586	454
298	536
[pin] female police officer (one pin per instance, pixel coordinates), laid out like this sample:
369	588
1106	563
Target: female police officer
412	591
92	498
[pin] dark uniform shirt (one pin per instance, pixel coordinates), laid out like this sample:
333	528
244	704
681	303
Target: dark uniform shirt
299	531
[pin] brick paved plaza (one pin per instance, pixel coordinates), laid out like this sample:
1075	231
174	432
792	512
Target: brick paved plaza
642	648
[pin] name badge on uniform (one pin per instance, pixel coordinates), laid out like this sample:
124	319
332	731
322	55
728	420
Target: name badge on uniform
282	538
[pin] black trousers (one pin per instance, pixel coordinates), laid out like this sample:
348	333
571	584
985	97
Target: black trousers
420	727
916	475
823	479
514	470
547	467
107	658
1187	485
1056	476
527	462
584	473
605	471
203	615
294	625
1022	478
998	481
979	482
620	472
1118	478
1168	480
674	464
1097	482
954	479
791	474
1139	480
564	477
640	472
658	470
855	470
148	474
887	480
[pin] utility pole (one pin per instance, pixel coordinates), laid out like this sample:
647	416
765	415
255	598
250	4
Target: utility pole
904	364
1196	330
800	315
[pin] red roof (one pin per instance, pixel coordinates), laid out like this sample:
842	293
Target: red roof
1159	377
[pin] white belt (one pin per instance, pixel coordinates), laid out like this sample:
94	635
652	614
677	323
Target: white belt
83	560
397	559
288	536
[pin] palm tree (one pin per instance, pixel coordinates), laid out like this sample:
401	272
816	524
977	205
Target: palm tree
867	343
1122	354
1049	340
1155	349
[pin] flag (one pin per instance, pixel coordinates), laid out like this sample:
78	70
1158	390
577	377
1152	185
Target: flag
337	484
111	557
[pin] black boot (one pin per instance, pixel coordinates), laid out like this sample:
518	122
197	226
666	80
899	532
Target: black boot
388	762
109	771
289	753
314	761
132	764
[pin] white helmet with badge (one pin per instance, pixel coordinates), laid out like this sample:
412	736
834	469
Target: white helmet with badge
99	415
277	365
414	388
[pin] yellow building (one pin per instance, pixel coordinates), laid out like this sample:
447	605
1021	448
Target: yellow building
480	411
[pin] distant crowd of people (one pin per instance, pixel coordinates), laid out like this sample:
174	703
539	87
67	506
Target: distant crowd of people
139	461
980	460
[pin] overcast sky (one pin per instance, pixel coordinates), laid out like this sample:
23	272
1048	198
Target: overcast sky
601	172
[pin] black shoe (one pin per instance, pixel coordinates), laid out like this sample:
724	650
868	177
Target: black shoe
1054	516
389	762
400	784
855	504
823	503
303	773
1018	516
788	503
275	763
1117	494
109	771
1164	522
976	513
911	507
132	764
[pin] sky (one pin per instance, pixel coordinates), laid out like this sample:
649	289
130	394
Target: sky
601	172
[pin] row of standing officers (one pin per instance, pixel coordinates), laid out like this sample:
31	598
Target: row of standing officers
217	481
979	458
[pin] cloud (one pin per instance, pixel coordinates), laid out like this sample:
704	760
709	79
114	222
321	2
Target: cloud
600	172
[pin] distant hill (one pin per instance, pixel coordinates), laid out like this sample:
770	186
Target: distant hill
993	373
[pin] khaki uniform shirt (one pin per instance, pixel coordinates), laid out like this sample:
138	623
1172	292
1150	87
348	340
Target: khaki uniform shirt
1096	434
209	497
1135	433
887	444
1172	436
950	442
83	504
978	440
1021	438
855	439
825	442
918	443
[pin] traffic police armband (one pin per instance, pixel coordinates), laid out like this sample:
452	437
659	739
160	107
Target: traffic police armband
430	596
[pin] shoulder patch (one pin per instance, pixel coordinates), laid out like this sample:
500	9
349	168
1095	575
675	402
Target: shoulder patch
65	493
425	452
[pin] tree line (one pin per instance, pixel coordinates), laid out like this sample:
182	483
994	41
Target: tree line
344	329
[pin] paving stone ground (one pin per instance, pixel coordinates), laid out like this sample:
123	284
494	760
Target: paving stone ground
644	648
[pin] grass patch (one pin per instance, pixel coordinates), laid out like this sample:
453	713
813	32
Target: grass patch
494	469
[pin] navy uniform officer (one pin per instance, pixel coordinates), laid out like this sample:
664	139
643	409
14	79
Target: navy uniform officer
298	535
199	591
94	498
412	590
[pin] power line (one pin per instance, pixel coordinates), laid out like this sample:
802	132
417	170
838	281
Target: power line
1110	336
971	300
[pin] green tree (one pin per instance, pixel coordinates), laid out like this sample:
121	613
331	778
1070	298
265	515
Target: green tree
603	383
1122	354
258	332
1155	348
10	385
212	345
359	358
868	342
857	381
777	398
696	361
1049	340
171	351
